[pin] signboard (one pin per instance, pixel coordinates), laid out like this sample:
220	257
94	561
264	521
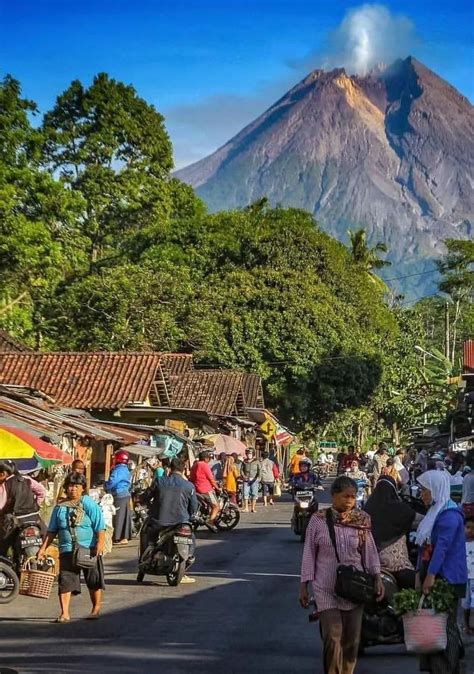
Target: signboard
268	428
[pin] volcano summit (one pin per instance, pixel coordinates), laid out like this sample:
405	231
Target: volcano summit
392	152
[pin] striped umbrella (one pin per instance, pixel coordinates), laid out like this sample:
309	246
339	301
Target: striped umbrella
19	445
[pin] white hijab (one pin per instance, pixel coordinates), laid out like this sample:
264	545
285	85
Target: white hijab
439	484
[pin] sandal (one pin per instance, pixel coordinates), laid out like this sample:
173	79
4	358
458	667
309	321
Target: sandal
61	619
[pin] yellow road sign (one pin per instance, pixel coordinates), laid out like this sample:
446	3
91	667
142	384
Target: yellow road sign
268	428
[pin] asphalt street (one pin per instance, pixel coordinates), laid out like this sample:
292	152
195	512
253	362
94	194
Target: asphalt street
241	615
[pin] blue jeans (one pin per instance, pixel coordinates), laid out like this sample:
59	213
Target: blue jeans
251	490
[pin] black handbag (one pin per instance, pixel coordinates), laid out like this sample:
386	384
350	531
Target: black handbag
81	556
351	583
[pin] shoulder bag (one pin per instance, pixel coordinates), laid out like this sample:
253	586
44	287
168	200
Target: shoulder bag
351	584
81	555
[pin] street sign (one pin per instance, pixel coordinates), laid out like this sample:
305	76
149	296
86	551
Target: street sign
268	428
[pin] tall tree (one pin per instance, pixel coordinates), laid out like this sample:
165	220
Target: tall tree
457	267
111	146
37	215
366	257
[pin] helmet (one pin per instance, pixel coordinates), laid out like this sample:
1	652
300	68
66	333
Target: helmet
7	466
304	463
121	457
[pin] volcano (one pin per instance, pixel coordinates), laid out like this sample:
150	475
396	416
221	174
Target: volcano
392	152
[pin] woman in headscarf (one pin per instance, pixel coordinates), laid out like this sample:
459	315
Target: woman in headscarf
442	555
392	520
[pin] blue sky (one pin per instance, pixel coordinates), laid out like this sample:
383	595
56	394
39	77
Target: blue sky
212	66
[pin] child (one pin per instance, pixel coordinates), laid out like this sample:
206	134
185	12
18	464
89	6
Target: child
468	602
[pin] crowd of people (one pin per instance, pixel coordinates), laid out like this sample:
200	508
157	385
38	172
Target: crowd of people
382	536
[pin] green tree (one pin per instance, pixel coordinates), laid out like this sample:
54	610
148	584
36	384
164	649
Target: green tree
111	146
37	217
368	258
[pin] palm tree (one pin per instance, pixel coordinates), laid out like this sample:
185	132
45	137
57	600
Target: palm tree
368	258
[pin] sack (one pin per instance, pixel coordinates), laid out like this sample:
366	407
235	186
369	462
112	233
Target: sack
351	584
425	631
277	489
83	558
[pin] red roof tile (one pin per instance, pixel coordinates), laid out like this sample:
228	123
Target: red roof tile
9	344
83	380
219	392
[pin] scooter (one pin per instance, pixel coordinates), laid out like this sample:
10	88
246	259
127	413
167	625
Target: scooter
167	551
305	504
381	625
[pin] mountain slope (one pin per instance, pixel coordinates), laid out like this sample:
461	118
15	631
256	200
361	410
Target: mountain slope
392	152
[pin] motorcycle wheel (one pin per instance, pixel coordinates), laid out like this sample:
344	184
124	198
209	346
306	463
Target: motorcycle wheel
229	518
176	576
9	584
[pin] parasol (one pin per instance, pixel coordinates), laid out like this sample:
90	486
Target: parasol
16	444
225	443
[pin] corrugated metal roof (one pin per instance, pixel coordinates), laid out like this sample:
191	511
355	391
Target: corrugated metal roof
469	355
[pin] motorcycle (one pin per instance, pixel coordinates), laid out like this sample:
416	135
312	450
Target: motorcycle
140	510
305	504
362	486
381	626
229	515
169	552
25	546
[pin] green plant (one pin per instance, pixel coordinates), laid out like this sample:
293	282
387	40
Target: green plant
441	599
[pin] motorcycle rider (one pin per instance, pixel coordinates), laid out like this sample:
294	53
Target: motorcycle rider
203	479
20	504
173	502
305	477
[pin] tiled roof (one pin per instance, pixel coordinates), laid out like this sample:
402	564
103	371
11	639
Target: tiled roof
219	392
84	380
177	363
253	390
8	343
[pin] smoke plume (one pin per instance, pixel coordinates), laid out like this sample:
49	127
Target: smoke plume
369	35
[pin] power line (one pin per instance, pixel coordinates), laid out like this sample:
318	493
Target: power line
399	278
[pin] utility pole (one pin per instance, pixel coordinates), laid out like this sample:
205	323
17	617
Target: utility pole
446	331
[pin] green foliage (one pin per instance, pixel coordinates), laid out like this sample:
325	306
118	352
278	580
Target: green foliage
441	599
102	248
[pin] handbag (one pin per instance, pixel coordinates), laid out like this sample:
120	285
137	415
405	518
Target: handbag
351	583
277	489
425	631
81	556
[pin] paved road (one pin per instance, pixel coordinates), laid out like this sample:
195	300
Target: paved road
240	616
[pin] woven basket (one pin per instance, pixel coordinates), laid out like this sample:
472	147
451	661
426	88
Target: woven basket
425	631
35	583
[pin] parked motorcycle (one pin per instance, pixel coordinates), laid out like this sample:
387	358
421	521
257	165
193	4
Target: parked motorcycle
361	497
169	551
140	509
26	543
305	504
381	626
229	515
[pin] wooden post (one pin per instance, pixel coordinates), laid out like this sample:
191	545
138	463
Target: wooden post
108	458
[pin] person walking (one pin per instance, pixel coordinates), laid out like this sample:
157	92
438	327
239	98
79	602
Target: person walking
119	485
392	520
267	477
231	475
442	543
340	619
80	512
250	473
